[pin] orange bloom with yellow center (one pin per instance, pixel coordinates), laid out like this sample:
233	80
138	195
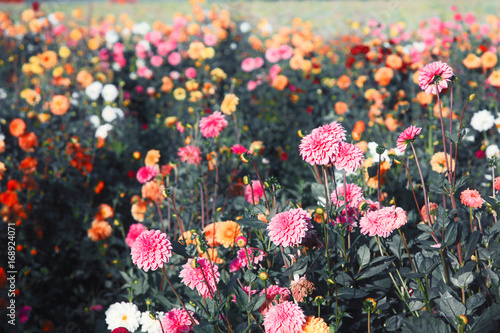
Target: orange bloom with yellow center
384	75
438	162
59	105
48	59
229	103
472	61
280	82
315	325
227	232
371	177
494	79
99	230
488	60
17	127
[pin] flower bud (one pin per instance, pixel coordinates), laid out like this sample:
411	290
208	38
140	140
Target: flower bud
330	281
246	180
318	300
263	276
320	211
244	158
300	134
462	320
472	97
136	155
194	263
370	303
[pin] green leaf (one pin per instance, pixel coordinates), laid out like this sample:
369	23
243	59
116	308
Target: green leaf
474	302
252	223
363	256
463	280
394	323
451	136
179	249
471	244
450	307
349	293
451	234
425	325
344	279
376	270
483	324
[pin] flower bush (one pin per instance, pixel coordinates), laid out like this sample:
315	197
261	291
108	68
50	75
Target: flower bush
205	175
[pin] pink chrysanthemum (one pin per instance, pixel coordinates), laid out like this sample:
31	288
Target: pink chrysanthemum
354	196
133	232
253	254
151	250
407	136
147	173
212	125
319	148
289	228
286	317
435	73
383	221
275	295
190	154
194	274
256	189
471	198
238	149
370	224
177	321
334	129
349	157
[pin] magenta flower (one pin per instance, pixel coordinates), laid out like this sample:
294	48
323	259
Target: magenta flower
238	149
151	250
289	228
407	136
286	317
24	313
133	232
354	196
212	125
256	189
436	73
349	157
120	330
190	154
196	274
177	321
253	254
147	173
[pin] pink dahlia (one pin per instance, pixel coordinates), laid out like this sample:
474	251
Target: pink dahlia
349	157
151	250
190	154
370	224
436	73
319	148
334	129
275	295
212	125
147	173
354	196
392	217
133	232
289	228
286	317
238	149
471	198
196	273
497	184
120	330
177	321
253	254
256	189
407	136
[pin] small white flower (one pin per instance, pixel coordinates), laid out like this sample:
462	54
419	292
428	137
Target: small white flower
108	113
141	28
103	130
75	95
2	136
119	113
112	37
3	93
151	325
95	121
94	90
116	67
140	63
233	46
123	314
126	33
109	93
482	121
245	27
133	76
265	161
52	19
145	44
492	150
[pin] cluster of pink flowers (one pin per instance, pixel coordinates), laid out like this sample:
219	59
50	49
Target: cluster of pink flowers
383	222
212	125
147	173
289	228
253	254
284	52
354	197
197	274
151	250
249	64
190	154
133	232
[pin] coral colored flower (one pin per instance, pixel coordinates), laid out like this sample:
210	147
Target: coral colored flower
238	149
28	141
497	184
152	157
151	250
197	274
286	317
227	232
190	154
407	136
432	210
438	162
436	73
471	198
319	148
133	232
354	196
99	230
212	125
17	127
349	157
178	321
147	173
315	325
254	192
289	228
301	288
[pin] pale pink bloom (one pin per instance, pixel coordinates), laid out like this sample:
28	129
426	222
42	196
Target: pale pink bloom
274	71
147	173
286	317
154	37
145	72
354	196
253	254
436	246
252	85
485	29
435	72
470	18
238	149
471	198
286	52
392	217
256	189
177	321
163	49
273	55
190	154
151	250
212	125
133	232
174	75
370	224
174	58
319	148
156	61
195	274
407	136
248	64
190	72
349	157
141	49
258	62
289	228
210	39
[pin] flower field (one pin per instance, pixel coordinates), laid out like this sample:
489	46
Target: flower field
205	173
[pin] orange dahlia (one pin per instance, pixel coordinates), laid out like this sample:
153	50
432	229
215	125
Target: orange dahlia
17	127
59	105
